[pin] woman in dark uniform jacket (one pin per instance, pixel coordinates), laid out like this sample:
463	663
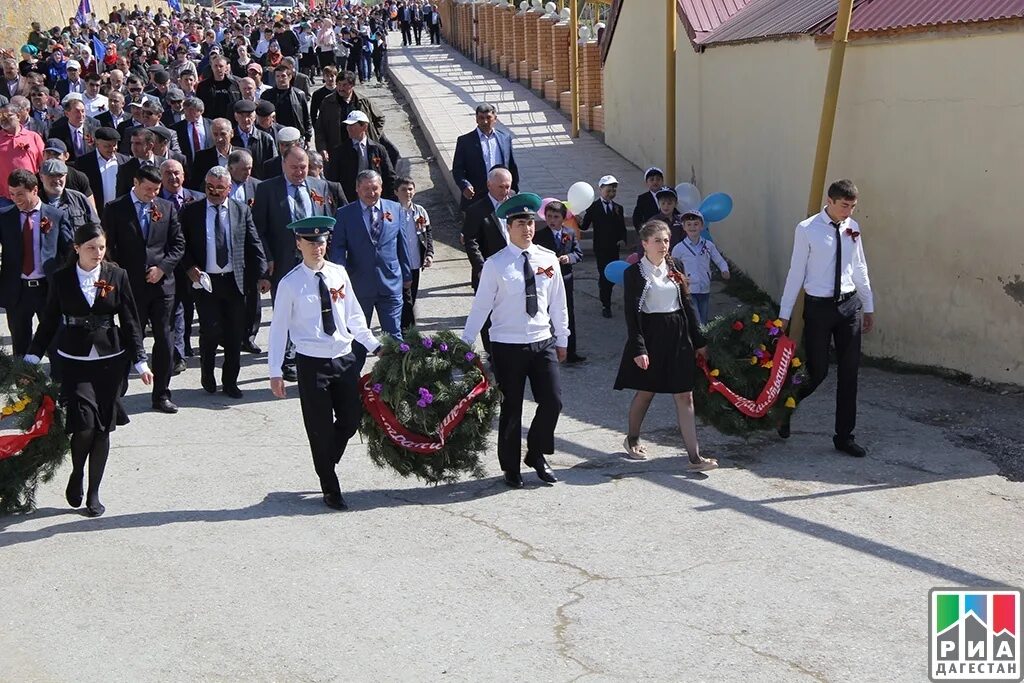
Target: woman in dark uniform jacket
663	340
86	295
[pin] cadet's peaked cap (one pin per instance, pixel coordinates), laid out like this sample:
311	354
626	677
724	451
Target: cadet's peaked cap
666	192
691	214
522	205
653	170
314	228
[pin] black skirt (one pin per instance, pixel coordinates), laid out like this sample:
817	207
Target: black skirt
672	362
92	391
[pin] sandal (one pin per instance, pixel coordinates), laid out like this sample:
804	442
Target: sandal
703	464
637	452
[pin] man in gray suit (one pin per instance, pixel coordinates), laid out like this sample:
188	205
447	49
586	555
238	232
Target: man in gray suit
235	260
243	189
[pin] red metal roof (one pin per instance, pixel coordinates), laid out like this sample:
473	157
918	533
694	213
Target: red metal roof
885	15
707	15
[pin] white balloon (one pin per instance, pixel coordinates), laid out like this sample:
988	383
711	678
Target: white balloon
584	33
524	5
688	196
580	196
566	14
551	8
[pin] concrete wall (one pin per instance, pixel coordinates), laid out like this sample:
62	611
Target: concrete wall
929	127
17	15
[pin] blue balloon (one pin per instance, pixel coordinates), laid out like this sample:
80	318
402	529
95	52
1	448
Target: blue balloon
616	271
706	233
716	207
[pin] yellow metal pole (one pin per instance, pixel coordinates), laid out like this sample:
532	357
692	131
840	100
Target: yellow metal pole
825	130
670	93
574	65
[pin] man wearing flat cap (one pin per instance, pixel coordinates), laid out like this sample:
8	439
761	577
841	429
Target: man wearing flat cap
317	308
266	119
54	191
247	136
287	138
101	167
522	291
76	180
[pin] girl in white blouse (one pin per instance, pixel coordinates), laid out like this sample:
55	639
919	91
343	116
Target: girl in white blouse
663	341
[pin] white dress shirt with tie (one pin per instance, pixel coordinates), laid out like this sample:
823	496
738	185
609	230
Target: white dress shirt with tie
211	237
297	313
108	176
502	296
299	201
814	263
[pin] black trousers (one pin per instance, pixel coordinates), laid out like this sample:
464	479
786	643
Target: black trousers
513	364
570	303
253	311
156	307
603	257
331	411
184	314
417	29
409	301
825	322
221	322
19	317
435	34
406	33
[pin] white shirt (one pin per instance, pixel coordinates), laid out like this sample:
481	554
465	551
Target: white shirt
95	106
108	175
502	296
491	149
696	260
37	241
661	295
211	238
297	313
410	232
814	263
116	119
502	223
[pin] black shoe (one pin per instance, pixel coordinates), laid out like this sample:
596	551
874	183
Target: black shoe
543	469
189	352
73	493
783	430
179	368
513	480
849	446
95	509
164	405
250	347
335	501
209	384
576	358
288	373
606	312
232	391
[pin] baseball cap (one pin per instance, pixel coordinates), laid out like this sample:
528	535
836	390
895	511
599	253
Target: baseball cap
607	180
356	116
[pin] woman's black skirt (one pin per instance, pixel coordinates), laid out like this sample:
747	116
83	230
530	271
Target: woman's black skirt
672	363
92	391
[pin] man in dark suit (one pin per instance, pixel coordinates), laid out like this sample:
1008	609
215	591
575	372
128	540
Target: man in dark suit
193	131
43	114
283	200
35	238
143	142
247	136
237	259
480	150
174	112
243	190
368	241
144	237
75	129
561	239
115	114
434	25
172	188
417	22
359	153
101	167
217	155
286	139
162	144
405	23
646	206
289	103
316	170
608	219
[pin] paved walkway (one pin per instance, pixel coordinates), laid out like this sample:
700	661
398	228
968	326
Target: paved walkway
443	87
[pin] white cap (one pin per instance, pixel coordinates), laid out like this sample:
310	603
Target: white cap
356	116
288	134
607	180
72	96
73	64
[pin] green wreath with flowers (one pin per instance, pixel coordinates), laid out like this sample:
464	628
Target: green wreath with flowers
752	374
33	442
429	407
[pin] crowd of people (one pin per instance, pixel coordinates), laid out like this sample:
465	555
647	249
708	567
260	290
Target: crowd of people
152	174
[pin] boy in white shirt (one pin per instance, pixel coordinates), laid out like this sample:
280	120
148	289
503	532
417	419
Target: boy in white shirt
696	255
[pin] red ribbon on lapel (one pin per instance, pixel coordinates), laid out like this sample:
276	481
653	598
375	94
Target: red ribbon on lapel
549	271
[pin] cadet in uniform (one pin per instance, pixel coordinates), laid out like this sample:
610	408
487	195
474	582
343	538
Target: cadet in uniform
316	306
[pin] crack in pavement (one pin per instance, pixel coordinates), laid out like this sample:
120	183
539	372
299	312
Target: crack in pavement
735	637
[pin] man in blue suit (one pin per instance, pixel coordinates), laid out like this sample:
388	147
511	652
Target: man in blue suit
368	241
480	150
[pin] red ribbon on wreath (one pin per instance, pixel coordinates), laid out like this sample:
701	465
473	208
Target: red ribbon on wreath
402	437
759	407
16	443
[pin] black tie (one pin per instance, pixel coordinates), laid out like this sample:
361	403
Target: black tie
531	286
607	208
220	237
837	292
326	308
